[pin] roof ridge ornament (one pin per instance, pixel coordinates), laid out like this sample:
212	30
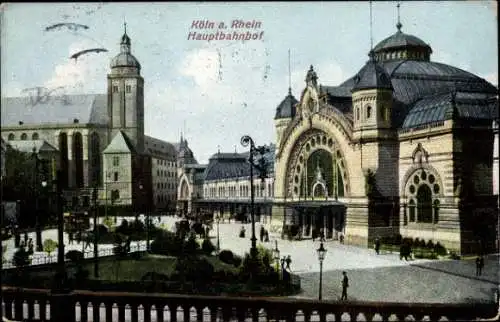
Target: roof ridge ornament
399	24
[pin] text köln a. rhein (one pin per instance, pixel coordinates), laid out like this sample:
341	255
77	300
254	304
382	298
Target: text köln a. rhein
234	30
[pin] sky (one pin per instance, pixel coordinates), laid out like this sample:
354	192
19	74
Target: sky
216	91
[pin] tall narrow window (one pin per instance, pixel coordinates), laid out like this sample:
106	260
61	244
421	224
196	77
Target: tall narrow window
116	161
128	88
368	111
115	89
436	211
412	210
116	176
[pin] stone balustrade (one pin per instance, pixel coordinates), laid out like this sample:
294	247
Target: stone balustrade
36	305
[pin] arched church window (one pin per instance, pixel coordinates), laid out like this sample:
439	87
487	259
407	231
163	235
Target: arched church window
424	200
436	211
368	111
411	207
12	137
24	136
34	136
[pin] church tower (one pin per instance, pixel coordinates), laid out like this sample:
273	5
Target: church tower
126	95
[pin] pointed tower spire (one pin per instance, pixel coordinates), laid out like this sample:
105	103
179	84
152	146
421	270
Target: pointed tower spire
289	75
125	42
399	24
371	27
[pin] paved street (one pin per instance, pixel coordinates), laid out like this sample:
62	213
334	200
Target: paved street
371	277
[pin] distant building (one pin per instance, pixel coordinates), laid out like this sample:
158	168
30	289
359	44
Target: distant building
100	138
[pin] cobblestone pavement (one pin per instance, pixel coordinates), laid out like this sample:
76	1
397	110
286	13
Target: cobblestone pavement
371	277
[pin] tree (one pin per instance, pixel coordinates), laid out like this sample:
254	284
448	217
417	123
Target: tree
49	246
108	222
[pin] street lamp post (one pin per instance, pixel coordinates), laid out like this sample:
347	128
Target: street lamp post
38	231
321	256
276	256
246	140
141	187
217	220
96	233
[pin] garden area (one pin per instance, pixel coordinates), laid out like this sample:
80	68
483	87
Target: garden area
184	261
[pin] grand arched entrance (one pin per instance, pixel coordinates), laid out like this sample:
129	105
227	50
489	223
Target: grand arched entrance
315	186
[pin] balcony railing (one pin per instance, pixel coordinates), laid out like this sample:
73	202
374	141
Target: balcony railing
35	305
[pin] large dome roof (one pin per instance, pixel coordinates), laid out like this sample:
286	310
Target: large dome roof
400	40
125	60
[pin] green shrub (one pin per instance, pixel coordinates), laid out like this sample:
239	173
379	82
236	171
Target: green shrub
430	245
226	256
191	246
75	256
237	261
439	249
193	269
21	257
207	247
108	222
49	246
167	243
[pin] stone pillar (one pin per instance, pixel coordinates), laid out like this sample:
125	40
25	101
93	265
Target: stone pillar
356	222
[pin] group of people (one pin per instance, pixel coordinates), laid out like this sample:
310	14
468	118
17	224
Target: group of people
28	243
264	234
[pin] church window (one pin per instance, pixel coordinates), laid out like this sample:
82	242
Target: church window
115	88
116	161
128	88
368	111
12	137
34	136
116	176
424	202
24	136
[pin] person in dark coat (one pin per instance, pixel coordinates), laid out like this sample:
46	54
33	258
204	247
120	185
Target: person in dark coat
288	261
479	265
26	238
262	233
345	285
377	246
267	236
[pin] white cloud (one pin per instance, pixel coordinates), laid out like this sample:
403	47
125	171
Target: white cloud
87	74
492	78
220	100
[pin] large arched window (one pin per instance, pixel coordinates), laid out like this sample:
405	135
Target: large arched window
12	137
424	201
24	136
34	136
411	207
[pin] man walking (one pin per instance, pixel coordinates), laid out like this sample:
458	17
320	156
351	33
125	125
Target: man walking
377	246
345	285
479	265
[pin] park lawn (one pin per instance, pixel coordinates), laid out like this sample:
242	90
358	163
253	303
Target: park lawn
130	269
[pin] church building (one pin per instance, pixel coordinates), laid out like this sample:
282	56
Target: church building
100	139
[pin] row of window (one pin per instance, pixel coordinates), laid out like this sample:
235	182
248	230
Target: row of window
244	191
422	212
165	185
24	136
384	113
164	198
128	89
165	173
165	162
402	55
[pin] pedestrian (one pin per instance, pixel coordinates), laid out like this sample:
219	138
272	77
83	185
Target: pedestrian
242	232
341	238
25	237
345	285
267	236
377	246
322	235
283	260
479	265
70	237
288	261
262	233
